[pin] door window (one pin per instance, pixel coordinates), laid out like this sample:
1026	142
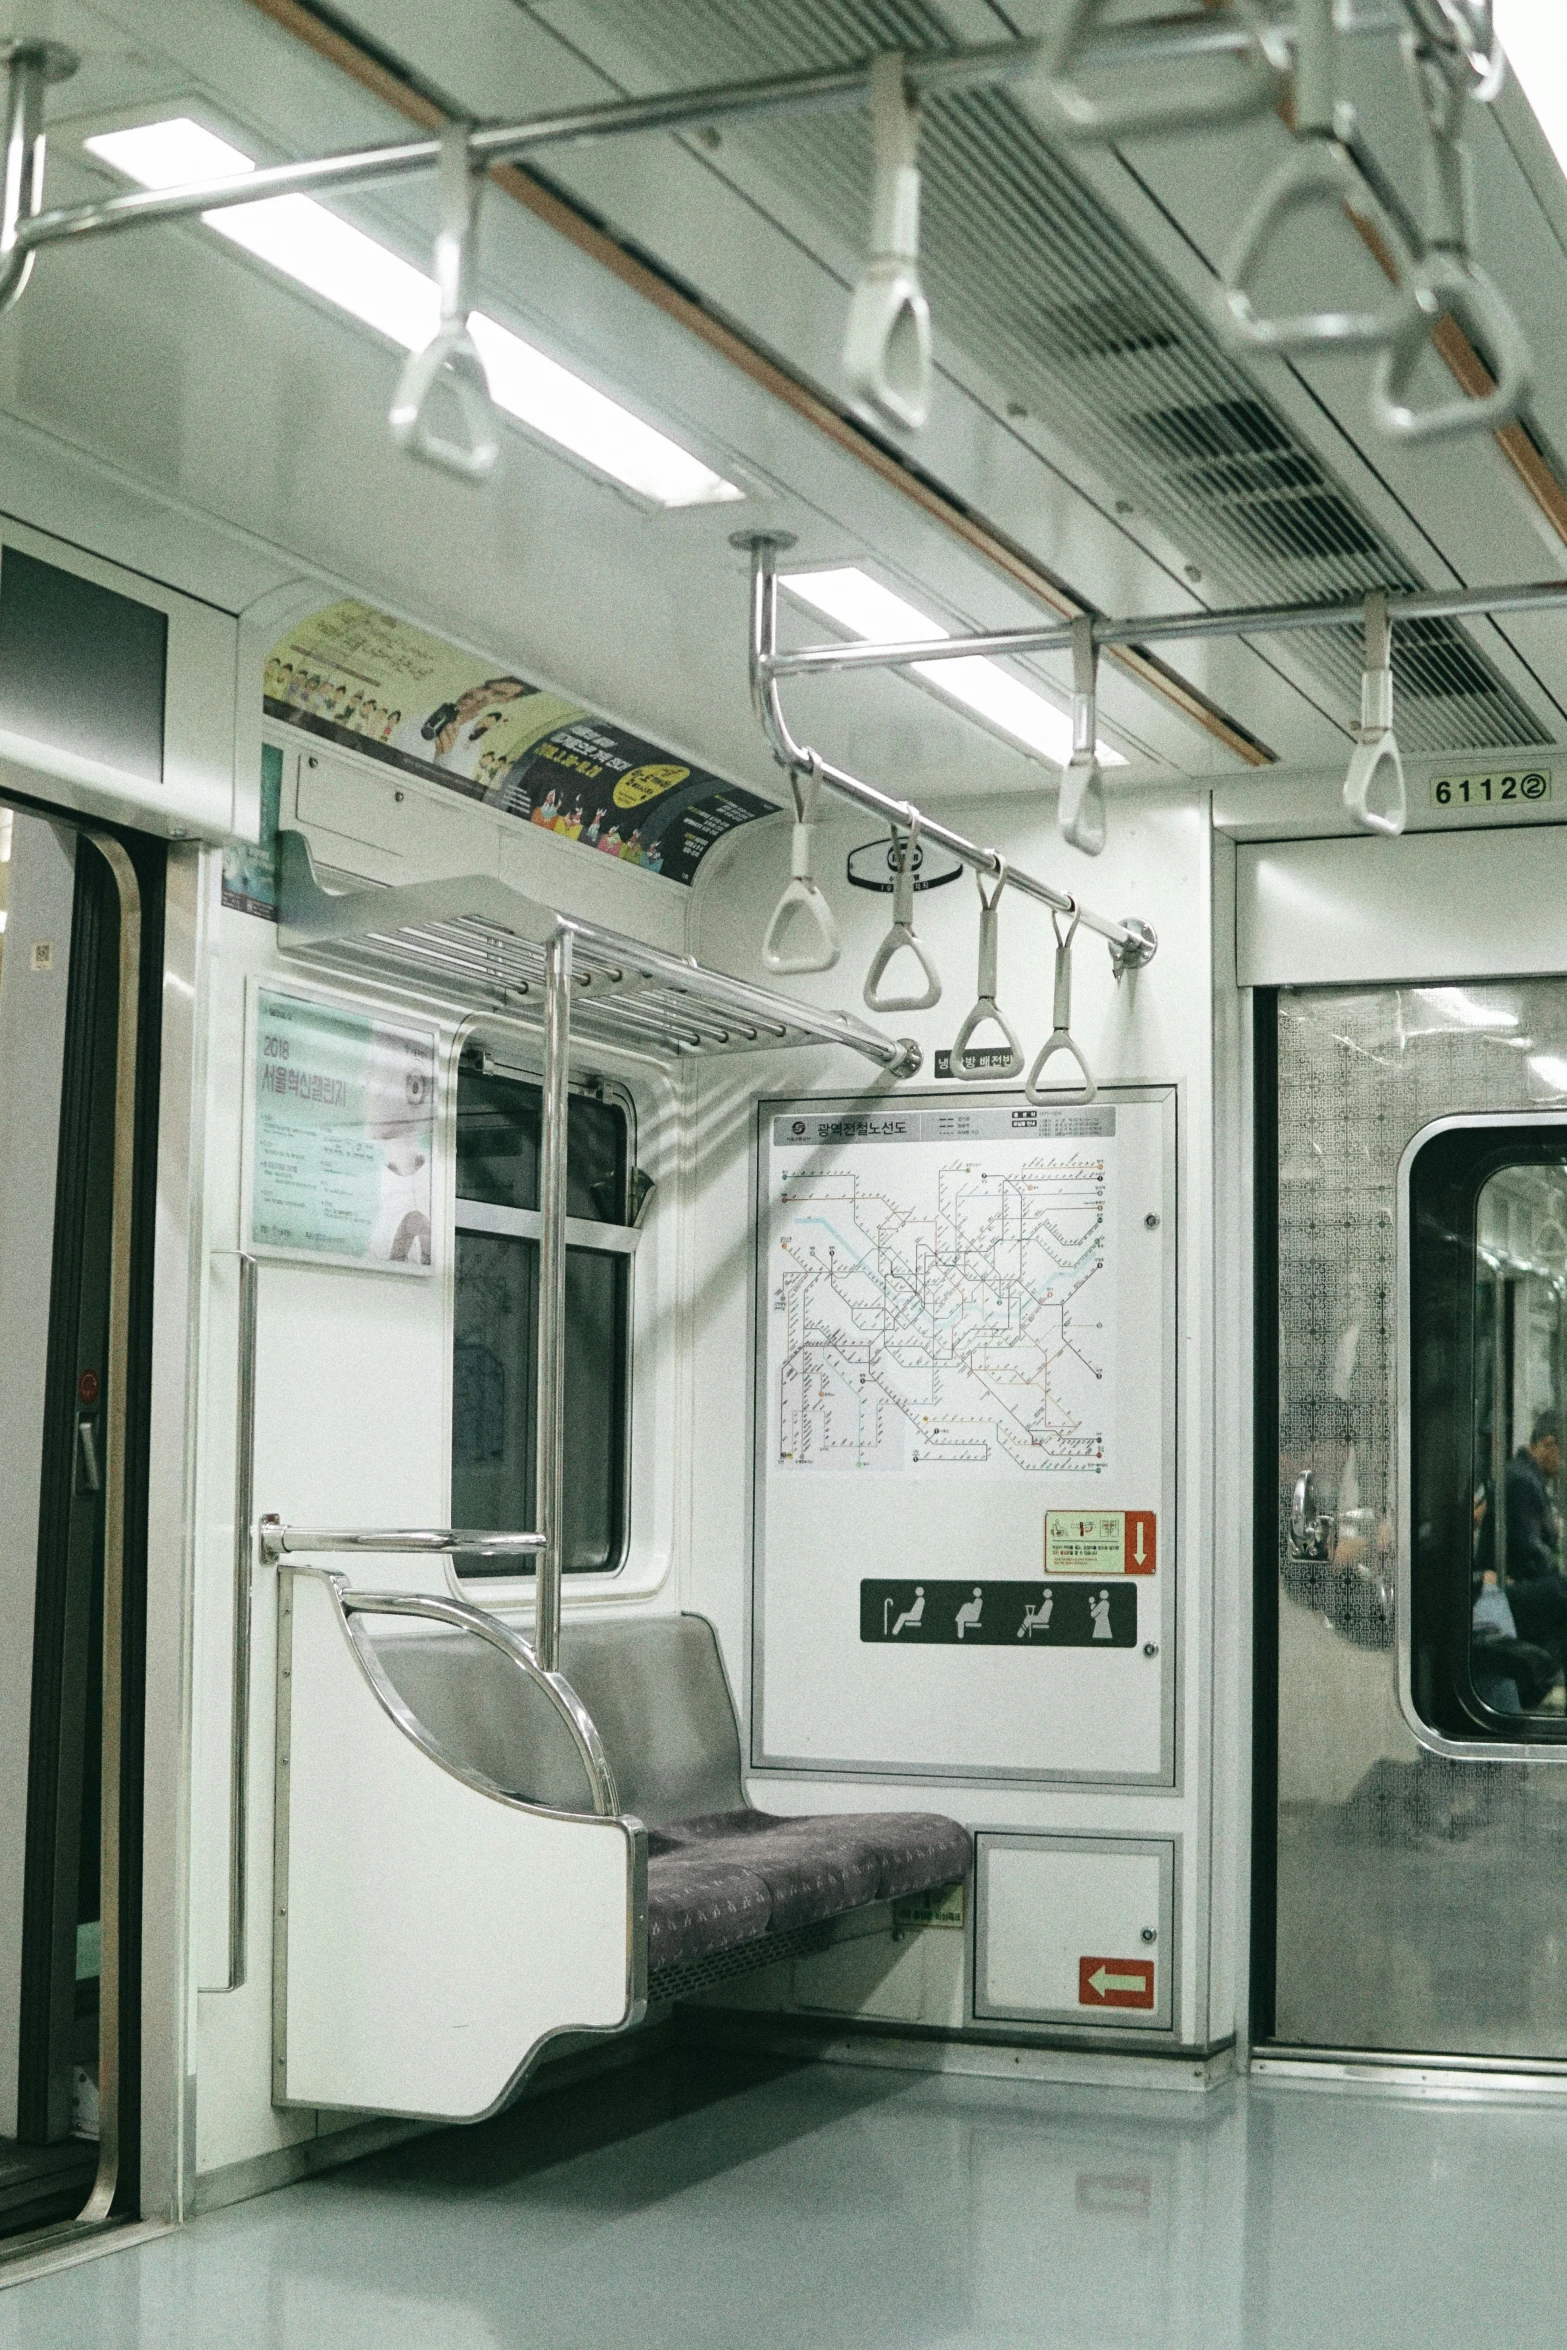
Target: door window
1487	1209
495	1338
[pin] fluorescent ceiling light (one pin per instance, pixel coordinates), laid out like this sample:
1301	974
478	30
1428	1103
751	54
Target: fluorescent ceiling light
317	249
868	610
1531	34
1455	1005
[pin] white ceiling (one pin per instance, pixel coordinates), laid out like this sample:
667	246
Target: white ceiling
184	410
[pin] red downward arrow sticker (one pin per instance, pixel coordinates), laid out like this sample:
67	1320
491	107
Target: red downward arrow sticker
1115	1982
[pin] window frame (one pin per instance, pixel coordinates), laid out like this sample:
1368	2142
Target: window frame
584	1232
1427	1651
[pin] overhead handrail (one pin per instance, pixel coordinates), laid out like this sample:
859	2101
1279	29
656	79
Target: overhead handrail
803	905
902	934
1132	942
450	361
1080	811
31	66
1375	764
886	349
1061	1039
1251	81
985	1006
278	1540
1321	172
1446	281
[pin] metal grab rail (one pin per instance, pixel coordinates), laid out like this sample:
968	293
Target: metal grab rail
278	1541
463	1618
1132	942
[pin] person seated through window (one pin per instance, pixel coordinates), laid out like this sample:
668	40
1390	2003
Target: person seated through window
1511	1675
1536	1588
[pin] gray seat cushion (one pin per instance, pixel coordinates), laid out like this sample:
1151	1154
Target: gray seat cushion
726	1878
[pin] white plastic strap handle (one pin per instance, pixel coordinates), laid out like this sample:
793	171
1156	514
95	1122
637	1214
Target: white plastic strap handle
902	935
450	362
1060	1038
1320	175
986	1007
1081	810
1375	765
1236	88
802	908
886	346
1446	282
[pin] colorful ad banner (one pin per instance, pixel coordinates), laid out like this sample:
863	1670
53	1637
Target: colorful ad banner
374	684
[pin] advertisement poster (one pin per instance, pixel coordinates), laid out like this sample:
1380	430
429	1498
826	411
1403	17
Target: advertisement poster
342	1135
376	685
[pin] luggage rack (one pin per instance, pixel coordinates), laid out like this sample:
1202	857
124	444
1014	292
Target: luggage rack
478	944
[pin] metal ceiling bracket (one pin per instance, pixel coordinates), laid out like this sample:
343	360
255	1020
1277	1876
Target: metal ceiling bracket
1081	809
1375	766
886	350
1446	281
30	67
1321	174
1249	79
986	1006
449	365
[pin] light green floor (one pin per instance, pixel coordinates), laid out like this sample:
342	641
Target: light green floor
711	2205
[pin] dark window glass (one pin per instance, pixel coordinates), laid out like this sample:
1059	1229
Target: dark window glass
80	666
1488	1296
495	1339
499	1122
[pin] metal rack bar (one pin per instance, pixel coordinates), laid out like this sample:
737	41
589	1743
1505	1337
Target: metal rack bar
1171	41
476	936
1132	942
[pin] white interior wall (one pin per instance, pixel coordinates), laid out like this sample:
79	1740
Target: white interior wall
1155	1028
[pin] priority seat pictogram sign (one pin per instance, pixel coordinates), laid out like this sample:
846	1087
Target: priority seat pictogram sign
982	1611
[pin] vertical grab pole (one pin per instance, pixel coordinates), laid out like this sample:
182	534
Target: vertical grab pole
552	1297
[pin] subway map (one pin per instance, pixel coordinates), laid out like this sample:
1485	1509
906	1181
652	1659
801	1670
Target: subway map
940	1292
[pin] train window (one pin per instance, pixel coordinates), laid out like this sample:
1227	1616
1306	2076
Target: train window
1487	1208
494	1372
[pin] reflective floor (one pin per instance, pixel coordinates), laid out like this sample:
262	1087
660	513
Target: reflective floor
698	2202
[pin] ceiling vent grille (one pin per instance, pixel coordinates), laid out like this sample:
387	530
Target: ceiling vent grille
1056	302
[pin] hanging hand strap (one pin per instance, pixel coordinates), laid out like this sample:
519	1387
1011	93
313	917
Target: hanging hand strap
886	348
1375	764
1081	809
1320	174
902	935
986	1006
1060	1039
450	360
802	908
1447	282
1236	87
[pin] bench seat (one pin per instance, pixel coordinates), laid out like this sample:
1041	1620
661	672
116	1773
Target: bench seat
727	1878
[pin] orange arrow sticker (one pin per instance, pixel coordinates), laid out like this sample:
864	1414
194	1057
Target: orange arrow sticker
1115	1982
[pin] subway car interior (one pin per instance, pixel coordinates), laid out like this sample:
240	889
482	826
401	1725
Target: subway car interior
1032	534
